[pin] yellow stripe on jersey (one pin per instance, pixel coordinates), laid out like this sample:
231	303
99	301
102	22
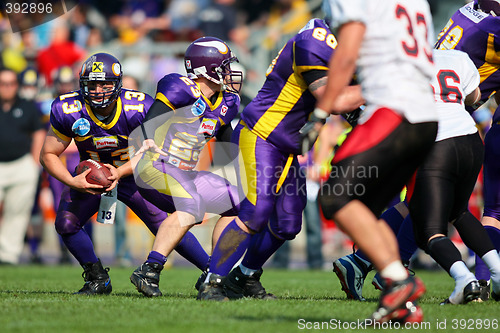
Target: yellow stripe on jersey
492	58
161	97
284	173
82	138
60	135
290	94
160	181
247	163
115	118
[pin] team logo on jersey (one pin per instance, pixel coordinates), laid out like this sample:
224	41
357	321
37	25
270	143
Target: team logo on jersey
104	142
81	127
223	110
198	107
207	126
97	66
188	64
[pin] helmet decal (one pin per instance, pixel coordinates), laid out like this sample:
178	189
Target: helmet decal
222	47
116	69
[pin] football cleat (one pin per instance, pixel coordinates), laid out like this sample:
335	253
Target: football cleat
378	281
351	272
146	278
471	293
97	281
485	290
396	296
213	290
238	285
201	279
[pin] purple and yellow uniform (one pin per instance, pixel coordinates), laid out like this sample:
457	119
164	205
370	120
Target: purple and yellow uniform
478	35
268	133
170	181
106	142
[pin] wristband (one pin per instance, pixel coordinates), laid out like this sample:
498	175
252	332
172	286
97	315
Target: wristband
320	114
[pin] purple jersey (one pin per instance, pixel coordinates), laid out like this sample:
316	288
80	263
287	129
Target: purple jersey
478	35
284	103
71	118
196	120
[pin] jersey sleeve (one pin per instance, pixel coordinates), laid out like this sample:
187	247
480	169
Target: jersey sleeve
339	12
311	54
471	76
176	91
59	123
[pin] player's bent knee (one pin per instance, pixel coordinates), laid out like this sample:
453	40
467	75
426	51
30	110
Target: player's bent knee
67	225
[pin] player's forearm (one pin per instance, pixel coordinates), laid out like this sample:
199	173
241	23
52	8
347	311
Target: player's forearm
54	166
125	170
342	65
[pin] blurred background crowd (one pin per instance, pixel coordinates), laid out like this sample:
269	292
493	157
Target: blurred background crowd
149	38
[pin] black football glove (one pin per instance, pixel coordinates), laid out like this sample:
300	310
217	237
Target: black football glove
352	117
310	131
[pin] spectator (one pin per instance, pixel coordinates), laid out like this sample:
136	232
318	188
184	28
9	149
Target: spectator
219	19
21	137
60	52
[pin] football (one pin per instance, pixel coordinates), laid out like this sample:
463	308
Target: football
98	175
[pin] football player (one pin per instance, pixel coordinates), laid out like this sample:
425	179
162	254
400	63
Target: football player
390	41
269	140
442	187
474	29
99	117
190	111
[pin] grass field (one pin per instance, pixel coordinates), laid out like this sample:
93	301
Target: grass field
40	299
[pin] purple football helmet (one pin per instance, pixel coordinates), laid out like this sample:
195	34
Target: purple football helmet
211	58
105	68
491	7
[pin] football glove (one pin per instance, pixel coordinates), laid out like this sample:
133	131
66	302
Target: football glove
310	131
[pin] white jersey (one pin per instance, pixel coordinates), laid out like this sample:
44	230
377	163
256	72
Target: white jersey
395	60
455	78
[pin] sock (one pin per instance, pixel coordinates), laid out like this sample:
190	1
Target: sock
444	252
494	234
462	276
394	219
492	260
247	271
156	257
261	248
34	243
394	271
191	249
81	247
473	234
232	244
406	240
482	271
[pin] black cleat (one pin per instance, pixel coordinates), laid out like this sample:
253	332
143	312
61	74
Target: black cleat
485	290
97	281
239	285
213	290
472	293
201	279
146	278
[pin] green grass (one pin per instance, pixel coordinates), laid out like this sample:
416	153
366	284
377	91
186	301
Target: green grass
40	299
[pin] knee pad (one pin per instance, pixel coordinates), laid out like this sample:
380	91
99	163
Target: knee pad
286	229
67	223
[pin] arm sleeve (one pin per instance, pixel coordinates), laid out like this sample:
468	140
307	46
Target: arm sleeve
224	134
313	75
158	108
